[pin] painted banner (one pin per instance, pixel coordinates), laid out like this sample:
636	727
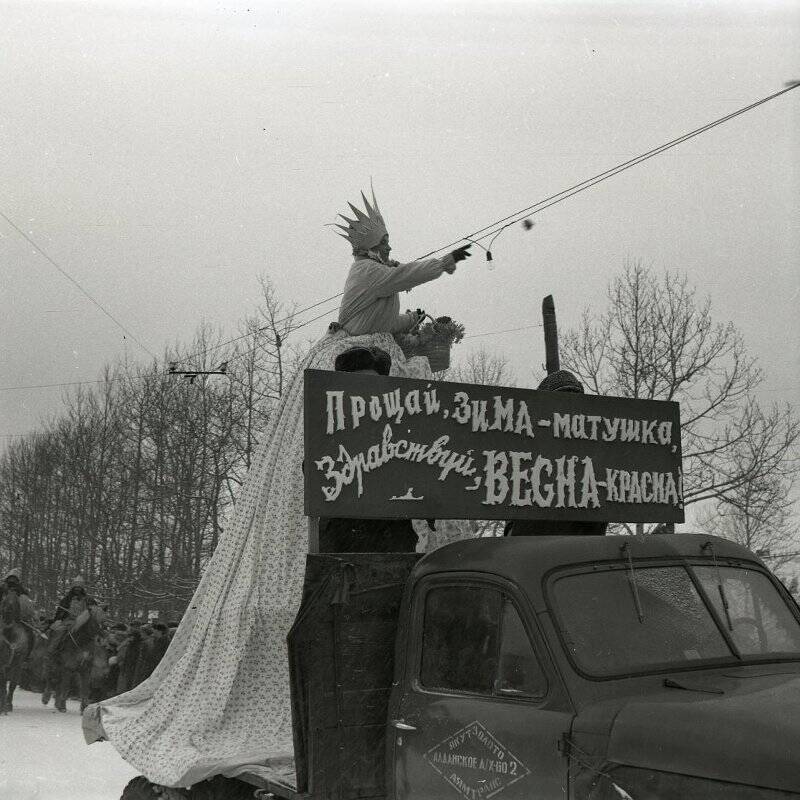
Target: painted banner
383	447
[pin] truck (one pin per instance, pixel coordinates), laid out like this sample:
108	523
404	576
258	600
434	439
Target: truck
542	665
546	667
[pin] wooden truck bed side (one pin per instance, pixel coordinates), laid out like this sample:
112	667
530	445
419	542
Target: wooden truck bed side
341	661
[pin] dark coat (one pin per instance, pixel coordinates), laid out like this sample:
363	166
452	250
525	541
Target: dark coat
151	652
341	535
66	609
15	587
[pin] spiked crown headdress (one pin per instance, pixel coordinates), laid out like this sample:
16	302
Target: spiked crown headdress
367	229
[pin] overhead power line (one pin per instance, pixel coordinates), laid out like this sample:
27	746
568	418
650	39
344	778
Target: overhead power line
492	229
150	375
261	328
505	330
517	216
482	233
74	282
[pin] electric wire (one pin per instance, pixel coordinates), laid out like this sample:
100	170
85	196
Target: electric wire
492	230
516	216
273	324
231	358
505	330
482	233
72	280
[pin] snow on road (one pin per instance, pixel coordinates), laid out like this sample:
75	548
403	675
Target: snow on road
43	756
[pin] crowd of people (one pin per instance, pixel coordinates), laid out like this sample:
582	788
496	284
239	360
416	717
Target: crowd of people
125	652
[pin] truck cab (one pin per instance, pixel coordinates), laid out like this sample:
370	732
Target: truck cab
595	667
662	667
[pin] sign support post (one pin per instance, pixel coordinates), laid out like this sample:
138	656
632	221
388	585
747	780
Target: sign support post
552	362
313	534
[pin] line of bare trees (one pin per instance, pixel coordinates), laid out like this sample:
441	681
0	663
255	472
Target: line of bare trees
132	483
657	339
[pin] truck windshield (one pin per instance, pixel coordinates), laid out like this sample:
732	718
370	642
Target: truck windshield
760	622
669	626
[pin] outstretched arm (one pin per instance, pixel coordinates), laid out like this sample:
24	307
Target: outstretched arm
388	280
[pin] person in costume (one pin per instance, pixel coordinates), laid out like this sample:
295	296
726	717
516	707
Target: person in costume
218	701
371	302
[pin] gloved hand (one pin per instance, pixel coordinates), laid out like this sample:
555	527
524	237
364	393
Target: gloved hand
461	253
415	317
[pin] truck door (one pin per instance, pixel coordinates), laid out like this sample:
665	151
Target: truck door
475	718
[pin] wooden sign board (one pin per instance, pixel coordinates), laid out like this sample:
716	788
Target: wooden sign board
384	447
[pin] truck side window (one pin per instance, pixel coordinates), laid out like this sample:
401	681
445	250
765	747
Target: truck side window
473	640
520	673
460	638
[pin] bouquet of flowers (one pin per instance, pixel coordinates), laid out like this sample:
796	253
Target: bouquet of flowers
432	338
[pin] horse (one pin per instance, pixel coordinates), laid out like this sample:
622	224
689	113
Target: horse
33	672
16	642
102	679
71	656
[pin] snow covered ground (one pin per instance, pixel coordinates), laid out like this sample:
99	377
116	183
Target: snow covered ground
43	756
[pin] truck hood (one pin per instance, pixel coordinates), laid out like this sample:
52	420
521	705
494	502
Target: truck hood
747	735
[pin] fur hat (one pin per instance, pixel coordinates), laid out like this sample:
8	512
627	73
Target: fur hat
78	581
361	358
14	573
383	361
561	381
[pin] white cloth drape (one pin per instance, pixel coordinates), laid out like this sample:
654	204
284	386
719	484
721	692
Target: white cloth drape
220	696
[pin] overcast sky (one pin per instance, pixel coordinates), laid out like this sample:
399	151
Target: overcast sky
165	154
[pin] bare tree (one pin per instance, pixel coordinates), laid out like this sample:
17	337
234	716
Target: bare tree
657	340
259	368
758	515
484	367
479	366
132	482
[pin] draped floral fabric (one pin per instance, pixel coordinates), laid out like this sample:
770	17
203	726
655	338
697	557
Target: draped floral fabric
219	699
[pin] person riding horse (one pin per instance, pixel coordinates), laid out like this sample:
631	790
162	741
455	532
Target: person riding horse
11	579
74	603
16	635
72	644
12	582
